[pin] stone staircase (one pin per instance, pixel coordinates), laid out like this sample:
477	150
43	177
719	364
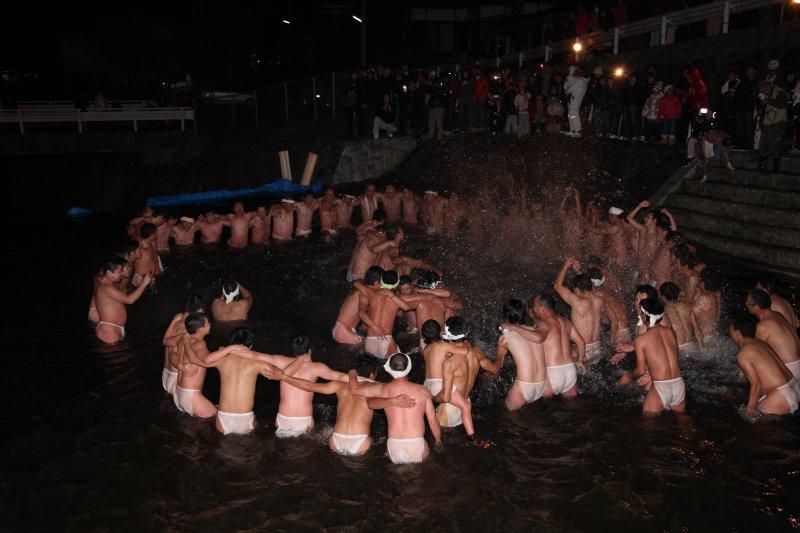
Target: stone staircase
750	217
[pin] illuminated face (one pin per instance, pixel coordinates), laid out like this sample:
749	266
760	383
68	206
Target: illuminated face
238	208
329	194
390	189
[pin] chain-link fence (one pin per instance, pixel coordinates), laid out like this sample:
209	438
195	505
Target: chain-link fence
277	105
314	98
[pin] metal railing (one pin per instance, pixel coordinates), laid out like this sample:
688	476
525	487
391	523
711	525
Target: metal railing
662	24
317	97
134	115
70	104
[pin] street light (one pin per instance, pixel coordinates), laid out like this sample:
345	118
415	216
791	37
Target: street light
358	19
783	7
619	71
286	21
577	47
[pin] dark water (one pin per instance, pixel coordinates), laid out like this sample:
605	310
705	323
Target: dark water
91	440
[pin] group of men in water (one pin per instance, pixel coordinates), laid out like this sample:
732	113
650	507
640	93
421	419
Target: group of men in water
676	305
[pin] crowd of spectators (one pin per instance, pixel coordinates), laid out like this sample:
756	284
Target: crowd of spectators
756	108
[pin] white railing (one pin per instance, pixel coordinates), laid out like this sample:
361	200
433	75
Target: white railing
69	104
135	115
660	24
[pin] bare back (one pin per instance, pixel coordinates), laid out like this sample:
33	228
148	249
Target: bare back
659	347
407	423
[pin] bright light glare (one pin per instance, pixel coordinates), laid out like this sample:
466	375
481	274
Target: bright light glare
286	21
577	46
619	71
357	19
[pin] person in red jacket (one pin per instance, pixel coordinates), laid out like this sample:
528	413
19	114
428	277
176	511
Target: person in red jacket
669	112
480	94
698	92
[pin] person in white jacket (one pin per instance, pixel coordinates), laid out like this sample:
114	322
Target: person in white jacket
575	88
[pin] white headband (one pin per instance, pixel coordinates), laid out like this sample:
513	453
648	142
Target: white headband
432	192
397	373
615	211
349	196
598	282
230	296
287	201
652	318
190	220
449	336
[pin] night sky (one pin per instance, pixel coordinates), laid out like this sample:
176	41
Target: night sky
67	46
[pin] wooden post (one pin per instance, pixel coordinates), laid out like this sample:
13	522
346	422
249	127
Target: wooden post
286	168
308	172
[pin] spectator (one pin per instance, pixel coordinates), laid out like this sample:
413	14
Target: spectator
466	87
384	119
774	76
698	92
794	129
620	13
745	100
669	111
352	103
537	111
650	113
555	111
510	110
521	103
728	100
773	125
632	107
602	107
575	89
372	99
792	135
480	95
493	114
582	21
436	104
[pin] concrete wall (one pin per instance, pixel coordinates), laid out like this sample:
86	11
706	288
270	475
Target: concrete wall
366	160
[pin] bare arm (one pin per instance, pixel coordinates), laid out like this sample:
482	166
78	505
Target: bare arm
325	372
170	338
698	333
378	248
439	293
559	287
447	381
129	299
530	335
433	422
631	218
672	224
580	343
500	355
755	384
367	389
563	204
401	400
365	227
363	315
272	372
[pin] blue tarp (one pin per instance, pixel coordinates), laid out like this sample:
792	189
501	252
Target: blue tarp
276	188
78	212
